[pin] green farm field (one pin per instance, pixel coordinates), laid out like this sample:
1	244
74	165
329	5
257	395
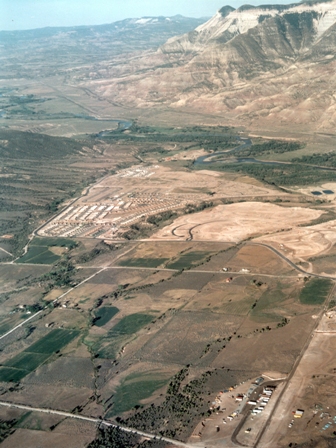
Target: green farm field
39	252
133	389
49	242
315	291
53	341
143	262
186	261
129	325
39	255
27	361
104	315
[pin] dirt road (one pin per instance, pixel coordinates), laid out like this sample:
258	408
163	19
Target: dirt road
98	421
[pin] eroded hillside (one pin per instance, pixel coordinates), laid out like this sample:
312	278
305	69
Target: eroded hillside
249	64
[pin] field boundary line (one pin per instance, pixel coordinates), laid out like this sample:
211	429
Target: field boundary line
54	301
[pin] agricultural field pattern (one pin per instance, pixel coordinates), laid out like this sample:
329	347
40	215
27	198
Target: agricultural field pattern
167	277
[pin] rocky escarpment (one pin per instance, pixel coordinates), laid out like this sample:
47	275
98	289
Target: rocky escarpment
229	23
254	65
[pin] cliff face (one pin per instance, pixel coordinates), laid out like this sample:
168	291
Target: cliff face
229	23
255	65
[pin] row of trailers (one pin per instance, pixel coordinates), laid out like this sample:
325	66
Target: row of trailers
262	401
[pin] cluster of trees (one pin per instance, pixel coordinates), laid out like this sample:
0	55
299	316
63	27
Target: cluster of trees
201	137
144	229
328	159
283	323
100	249
60	275
157	219
193	208
272	147
116	438
6	428
268	147
182	406
291	174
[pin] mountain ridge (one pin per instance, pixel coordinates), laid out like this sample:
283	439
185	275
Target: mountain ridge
221	65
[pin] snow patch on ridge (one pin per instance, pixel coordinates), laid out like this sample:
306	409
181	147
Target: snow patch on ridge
240	21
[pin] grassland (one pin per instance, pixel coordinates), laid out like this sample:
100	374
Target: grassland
315	291
143	262
186	261
104	315
27	361
263	308
39	255
8	323
129	325
133	389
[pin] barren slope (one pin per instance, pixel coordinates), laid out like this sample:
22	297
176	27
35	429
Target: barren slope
265	66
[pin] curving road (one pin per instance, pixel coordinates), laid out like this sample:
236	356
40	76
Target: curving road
287	260
275	251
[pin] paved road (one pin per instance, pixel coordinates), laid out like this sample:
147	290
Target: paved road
98	421
188	271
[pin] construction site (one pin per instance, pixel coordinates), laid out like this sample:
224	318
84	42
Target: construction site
111	206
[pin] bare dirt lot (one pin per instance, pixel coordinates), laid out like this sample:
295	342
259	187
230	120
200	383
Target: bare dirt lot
236	222
312	390
118	201
304	242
